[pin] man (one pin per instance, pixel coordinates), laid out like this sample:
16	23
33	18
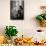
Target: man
42	17
20	13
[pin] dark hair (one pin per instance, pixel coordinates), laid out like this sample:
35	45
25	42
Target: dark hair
21	7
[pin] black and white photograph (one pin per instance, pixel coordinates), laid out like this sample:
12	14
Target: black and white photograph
17	9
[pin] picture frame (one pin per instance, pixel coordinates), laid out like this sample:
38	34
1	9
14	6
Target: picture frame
17	9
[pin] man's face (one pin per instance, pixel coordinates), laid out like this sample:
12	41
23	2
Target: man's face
44	10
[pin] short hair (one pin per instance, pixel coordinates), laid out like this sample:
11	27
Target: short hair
42	7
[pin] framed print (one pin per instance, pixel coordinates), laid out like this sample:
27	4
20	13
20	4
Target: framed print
17	9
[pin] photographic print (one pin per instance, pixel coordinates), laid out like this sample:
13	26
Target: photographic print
16	9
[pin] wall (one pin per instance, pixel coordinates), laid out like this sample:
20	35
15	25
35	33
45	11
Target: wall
29	23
